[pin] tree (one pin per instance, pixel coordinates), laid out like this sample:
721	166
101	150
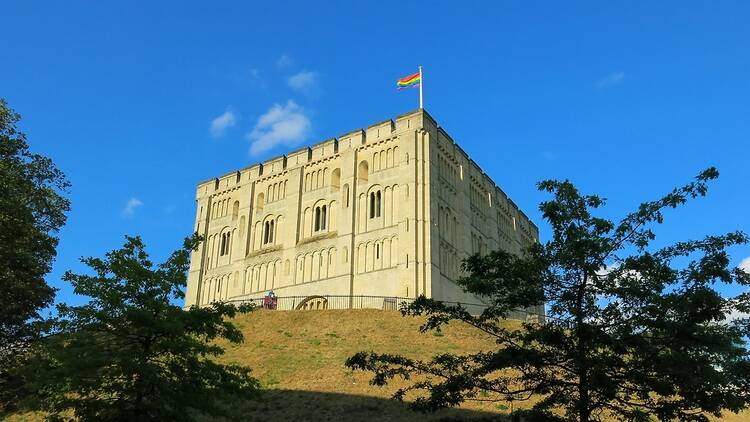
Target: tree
32	210
632	331
131	354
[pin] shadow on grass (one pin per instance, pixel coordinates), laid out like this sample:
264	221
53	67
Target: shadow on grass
294	405
309	406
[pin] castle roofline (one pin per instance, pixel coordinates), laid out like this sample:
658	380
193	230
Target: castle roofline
351	132
311	146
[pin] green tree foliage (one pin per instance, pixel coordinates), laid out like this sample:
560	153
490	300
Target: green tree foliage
632	331
131	354
32	210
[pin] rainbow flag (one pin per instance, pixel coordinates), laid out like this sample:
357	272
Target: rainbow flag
410	81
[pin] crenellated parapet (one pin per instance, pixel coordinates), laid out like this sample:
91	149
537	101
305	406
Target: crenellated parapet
319	151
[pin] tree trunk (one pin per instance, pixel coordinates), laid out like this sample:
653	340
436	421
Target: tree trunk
584	413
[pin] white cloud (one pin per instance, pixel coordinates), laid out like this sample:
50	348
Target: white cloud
304	81
285	125
613	78
131	206
284	61
220	124
745	264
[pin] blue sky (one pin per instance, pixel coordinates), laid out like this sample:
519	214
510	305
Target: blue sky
137	101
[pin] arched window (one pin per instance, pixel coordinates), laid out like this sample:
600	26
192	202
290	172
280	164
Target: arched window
260	202
378	204
372	204
346	196
321	218
363	172
224	244
375	204
268	230
235	210
335	180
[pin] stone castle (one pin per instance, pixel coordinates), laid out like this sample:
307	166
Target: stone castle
387	211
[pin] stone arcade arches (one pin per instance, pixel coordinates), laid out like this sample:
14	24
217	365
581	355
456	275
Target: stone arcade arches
377	254
313	303
315	265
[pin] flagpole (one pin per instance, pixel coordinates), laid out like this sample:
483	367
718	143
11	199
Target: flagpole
421	83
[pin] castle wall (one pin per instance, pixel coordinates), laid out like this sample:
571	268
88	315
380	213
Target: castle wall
329	219
386	211
469	214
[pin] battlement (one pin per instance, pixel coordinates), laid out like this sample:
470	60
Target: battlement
327	148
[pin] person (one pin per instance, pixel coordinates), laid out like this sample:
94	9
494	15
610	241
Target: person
269	302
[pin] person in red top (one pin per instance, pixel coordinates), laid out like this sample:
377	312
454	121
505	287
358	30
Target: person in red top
269	302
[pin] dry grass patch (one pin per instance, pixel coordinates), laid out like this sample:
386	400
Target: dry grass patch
304	351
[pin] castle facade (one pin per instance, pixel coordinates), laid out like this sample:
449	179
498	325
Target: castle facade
387	211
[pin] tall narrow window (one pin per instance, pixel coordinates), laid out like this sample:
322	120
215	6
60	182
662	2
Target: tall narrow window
335	180
260	203
224	248
363	172
372	204
270	234
377	206
266	227
235	210
321	218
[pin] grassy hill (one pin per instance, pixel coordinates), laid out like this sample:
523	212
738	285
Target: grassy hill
299	356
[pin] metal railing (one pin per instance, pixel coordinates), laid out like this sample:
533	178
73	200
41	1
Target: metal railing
392	303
